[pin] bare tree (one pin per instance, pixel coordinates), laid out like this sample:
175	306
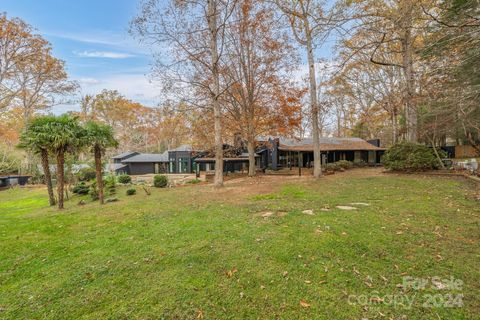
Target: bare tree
192	34
310	24
258	58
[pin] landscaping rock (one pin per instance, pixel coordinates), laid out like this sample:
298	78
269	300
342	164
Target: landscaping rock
309	212
360	204
346	208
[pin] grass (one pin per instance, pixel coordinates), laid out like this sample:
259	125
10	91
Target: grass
193	252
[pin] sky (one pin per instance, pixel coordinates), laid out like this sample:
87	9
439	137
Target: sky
92	37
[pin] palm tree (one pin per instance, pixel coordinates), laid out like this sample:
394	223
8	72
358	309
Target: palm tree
35	138
65	135
99	137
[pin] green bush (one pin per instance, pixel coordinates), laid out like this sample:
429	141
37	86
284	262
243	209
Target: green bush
360	164
131	192
124	179
86	174
331	167
195	181
160	181
408	156
81	188
93	191
344	164
110	184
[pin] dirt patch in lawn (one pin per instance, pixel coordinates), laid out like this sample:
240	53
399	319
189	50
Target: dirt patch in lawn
241	188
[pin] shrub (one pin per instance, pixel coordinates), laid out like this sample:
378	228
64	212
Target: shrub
331	167
131	192
93	191
160	181
110	184
195	181
344	164
86	174
408	156
124	179
360	164
81	188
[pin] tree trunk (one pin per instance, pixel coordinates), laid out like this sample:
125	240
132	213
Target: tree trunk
394	127
437	155
60	178
252	169
410	106
317	164
212	24
48	176
98	172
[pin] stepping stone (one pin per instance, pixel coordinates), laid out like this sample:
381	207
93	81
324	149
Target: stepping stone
359	204
309	212
346	208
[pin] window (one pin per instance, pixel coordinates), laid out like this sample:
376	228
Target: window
182	165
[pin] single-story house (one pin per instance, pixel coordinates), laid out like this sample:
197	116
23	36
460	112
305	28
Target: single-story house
232	162
271	152
178	160
141	163
278	152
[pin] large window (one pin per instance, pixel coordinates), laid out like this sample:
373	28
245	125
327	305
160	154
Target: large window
172	168
182	165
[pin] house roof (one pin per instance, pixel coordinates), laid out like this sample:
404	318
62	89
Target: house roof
148	157
327	144
125	154
116	166
224	159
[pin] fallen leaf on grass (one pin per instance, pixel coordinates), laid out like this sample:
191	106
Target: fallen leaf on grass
199	314
304	304
230	273
308	281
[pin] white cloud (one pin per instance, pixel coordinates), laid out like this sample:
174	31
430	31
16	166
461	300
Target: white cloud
136	87
88	81
103	54
115	40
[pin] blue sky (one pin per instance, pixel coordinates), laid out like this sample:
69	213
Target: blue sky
92	37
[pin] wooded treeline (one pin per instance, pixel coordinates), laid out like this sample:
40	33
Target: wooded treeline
401	70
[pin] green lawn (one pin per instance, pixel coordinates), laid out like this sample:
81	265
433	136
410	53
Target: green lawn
193	252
